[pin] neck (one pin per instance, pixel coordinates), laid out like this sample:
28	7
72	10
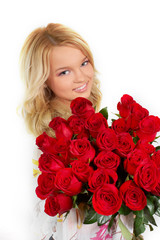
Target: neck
64	102
62	107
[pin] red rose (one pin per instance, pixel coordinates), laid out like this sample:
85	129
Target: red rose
107	160
50	163
58	204
61	147
156	158
146	175
83	134
107	139
133	160
149	127
138	113
82	107
76	124
45	143
61	128
124	106
96	123
82	149
145	146
100	177
67	182
125	144
107	200
156	190
45	185
133	196
119	125
81	170
127	100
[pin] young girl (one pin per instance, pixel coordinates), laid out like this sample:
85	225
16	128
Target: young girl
57	66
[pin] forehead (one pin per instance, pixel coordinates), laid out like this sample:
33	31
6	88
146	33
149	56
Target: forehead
65	55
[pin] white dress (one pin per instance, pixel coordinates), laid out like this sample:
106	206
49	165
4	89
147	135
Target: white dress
45	227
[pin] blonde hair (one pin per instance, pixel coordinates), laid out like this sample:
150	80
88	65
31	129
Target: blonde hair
40	104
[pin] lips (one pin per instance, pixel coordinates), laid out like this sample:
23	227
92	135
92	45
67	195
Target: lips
81	88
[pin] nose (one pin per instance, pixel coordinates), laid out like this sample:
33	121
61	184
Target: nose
79	76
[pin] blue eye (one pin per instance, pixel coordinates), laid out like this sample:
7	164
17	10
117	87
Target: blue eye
85	63
64	73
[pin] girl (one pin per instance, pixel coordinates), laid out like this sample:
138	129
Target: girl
55	63
57	66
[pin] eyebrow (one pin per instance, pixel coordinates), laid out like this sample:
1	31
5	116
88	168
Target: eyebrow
68	66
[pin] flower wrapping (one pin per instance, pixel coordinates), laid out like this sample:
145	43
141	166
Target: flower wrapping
110	170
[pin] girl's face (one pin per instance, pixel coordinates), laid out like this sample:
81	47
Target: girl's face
71	74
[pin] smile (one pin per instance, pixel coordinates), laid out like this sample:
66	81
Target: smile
82	88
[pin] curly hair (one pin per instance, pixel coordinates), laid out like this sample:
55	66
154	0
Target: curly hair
40	104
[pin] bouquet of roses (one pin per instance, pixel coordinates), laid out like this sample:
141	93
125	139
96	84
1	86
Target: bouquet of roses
113	170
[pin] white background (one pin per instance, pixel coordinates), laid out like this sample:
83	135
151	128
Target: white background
124	37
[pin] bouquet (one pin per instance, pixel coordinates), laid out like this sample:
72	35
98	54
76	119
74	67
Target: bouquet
110	170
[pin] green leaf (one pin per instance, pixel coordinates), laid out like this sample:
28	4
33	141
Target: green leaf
125	232
140	237
124	210
148	216
102	219
118	115
127	178
74	136
138	226
139	214
158	212
113	120
111	221
157	137
150	227
145	221
66	214
152	204
74	198
90	200
84	191
135	139
104	112
91	216
157	148
158	207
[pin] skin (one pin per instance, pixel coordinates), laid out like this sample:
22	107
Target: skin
69	70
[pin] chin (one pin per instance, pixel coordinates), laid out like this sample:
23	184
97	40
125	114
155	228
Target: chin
84	94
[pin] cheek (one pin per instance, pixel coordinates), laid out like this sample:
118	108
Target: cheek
59	85
90	71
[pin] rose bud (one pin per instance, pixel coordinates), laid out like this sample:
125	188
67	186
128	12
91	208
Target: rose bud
61	128
45	143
